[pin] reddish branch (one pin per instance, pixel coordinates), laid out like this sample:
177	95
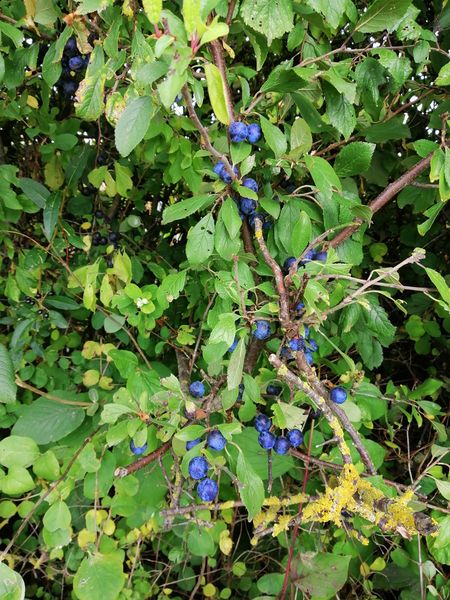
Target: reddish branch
278	275
386	195
142	462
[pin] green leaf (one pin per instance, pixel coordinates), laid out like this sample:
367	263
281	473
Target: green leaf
320	575
340	111
230	217
224	330
51	215
236	365
133	124
8	388
200	542
100	577
394	129
272	18
152	9
14	34
113	323
444	75
184	208
89	103
333	12
46	421
383	14
274	137
354	159
301	138
35	191
57	516
16	451
12	586
171	86
111	412
323	175
200	242
45	13
213	31
216	93
440	284
62	303
301	234
18	481
252	490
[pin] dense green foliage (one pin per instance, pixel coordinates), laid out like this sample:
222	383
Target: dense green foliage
130	268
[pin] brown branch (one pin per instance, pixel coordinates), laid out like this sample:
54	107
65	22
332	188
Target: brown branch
230	11
318	400
386	195
278	275
142	462
184	373
205	141
27	386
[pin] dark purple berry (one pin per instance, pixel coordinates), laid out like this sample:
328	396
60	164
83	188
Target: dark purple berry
76	63
216	441
266	440
254	133
198	467
295	437
250	183
138	450
197	389
248	206
282	445
238	131
273	390
338	395
262	423
207	490
192	443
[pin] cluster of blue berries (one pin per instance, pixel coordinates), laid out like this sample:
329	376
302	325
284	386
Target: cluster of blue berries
73	64
279	444
207	489
309	256
304	344
240	132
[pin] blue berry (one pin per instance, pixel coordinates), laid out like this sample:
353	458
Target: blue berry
300	307
297	344
306	331
288	263
238	131
248	206
273	390
226	177
254	133
313	345
114	236
218	168
266	440
262	423
285	353
71	45
241	391
309	358
250	183
267	224
338	395
281	445
192	443
309	256
262	331
252	217
138	450
198	467
216	441
295	437
322	256
207	490
76	63
69	88
197	389
233	346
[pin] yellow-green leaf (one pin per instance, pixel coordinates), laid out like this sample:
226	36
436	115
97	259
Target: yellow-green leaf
216	93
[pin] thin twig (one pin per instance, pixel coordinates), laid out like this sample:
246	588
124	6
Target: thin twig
31	388
142	462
